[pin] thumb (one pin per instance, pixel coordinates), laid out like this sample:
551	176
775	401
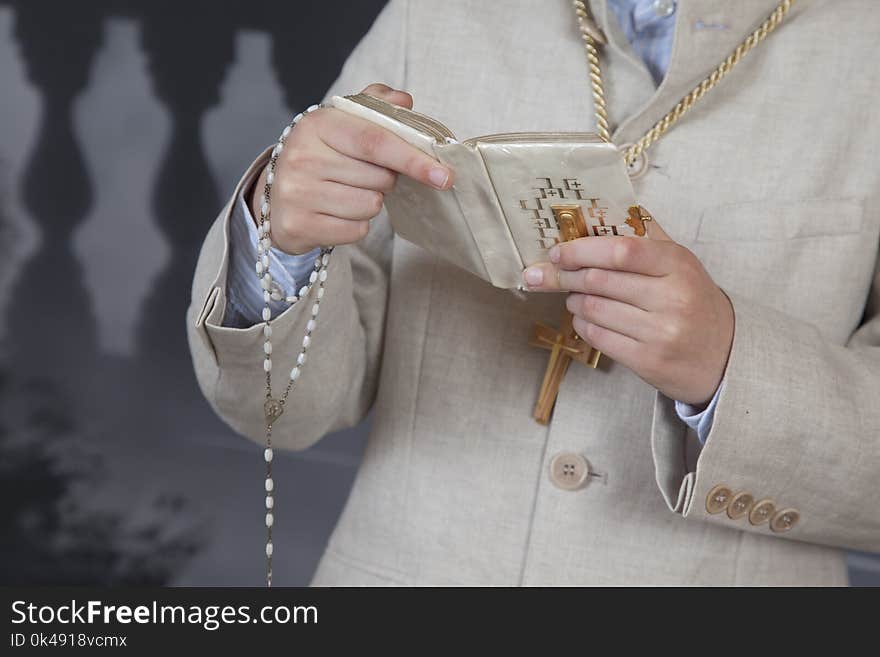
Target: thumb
653	227
389	95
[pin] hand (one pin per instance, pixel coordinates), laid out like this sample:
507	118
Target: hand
333	173
647	303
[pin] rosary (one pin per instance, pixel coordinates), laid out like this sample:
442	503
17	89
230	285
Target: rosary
634	156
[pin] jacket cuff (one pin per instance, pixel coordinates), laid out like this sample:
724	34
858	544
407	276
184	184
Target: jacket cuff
775	463
244	293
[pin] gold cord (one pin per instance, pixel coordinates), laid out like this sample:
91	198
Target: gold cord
587	28
585	23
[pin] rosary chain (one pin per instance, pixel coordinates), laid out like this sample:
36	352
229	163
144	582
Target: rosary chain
273	408
685	104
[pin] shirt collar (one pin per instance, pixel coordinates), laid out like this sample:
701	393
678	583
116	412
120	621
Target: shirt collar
641	14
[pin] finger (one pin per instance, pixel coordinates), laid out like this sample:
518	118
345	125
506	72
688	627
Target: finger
632	254
656	232
389	94
616	346
635	289
363	140
355	173
610	314
344	201
325	230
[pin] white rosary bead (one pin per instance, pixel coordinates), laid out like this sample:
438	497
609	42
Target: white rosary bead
270	485
301	359
267	347
270	520
313	277
286	132
320	292
292	299
312	108
260	248
265	260
267	331
265	243
315	309
310	325
270	177
303	291
269	549
267	314
294	373
323	275
266	281
325	259
259	268
267	226
270	501
306	341
264	208
268	455
266	297
297	118
267	365
276	150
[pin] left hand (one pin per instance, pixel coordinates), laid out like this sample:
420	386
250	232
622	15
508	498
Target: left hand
647	303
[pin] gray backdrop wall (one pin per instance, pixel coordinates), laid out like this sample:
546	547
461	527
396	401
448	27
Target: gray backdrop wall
123	127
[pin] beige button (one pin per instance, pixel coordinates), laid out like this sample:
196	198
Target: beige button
569	471
718	499
762	512
740	505
784	520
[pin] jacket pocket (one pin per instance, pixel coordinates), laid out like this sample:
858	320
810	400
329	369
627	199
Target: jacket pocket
781	220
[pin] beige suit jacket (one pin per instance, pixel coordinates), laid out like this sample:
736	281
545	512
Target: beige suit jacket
772	180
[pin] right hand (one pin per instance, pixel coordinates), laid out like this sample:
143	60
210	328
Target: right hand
333	173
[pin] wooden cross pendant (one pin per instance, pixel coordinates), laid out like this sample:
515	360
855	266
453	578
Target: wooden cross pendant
565	344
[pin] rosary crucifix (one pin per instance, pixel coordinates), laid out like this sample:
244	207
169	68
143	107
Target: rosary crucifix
566	345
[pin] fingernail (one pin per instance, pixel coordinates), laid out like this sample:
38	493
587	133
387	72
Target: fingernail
533	275
438	177
554	254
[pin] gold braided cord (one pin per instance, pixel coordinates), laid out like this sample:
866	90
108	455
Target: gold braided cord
685	104
584	20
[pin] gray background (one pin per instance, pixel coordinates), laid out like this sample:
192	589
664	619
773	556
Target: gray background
123	127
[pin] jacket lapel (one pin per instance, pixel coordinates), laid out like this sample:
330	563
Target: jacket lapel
706	32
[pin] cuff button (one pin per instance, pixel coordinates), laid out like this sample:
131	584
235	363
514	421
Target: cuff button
784	520
762	512
740	505
718	499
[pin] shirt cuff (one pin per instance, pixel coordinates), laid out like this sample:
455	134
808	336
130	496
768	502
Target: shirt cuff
244	292
699	421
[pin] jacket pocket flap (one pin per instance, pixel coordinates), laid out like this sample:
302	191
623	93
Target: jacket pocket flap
781	220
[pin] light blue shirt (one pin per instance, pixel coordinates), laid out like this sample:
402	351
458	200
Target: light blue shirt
649	25
244	305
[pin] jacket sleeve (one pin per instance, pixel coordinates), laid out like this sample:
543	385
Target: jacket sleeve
794	449
338	382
